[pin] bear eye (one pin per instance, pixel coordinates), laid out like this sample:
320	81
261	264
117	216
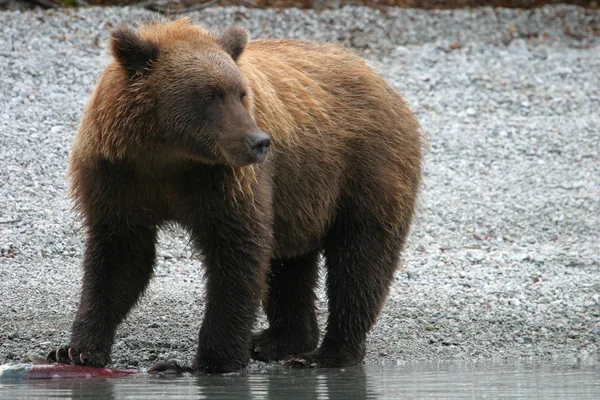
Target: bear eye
209	97
242	95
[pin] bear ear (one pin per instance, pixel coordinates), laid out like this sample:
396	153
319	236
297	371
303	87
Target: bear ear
131	51
234	40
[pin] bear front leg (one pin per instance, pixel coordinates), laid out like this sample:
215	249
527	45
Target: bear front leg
117	267
236	255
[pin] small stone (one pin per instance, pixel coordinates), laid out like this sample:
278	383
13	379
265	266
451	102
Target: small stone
153	325
449	342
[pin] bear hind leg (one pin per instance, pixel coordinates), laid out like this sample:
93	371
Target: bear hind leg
290	309
361	256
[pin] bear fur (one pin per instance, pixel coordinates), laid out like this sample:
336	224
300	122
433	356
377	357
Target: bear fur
272	153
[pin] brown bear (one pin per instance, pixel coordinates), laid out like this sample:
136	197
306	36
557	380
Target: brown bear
271	153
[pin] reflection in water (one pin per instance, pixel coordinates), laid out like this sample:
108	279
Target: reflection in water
278	383
347	383
431	380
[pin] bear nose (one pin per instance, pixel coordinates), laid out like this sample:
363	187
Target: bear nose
259	143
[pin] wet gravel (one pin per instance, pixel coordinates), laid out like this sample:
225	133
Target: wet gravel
504	257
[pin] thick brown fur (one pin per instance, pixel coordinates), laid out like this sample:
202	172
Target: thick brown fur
340	180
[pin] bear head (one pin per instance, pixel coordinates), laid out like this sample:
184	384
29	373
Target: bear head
189	84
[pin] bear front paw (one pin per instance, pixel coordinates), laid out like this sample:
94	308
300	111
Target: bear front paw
170	368
209	362
323	359
197	368
71	355
270	345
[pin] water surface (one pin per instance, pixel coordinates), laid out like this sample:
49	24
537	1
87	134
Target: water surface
447	380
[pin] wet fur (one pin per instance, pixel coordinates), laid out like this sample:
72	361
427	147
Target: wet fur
341	180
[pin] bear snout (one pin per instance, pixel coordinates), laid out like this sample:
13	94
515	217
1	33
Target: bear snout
259	143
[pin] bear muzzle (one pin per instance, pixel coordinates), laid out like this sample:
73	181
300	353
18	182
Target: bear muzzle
258	143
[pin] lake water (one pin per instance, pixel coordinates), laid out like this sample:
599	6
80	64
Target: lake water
447	380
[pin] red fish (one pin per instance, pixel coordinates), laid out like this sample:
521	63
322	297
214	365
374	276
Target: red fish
55	371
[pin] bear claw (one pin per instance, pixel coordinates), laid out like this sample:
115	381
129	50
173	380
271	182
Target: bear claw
169	368
51	356
77	359
60	355
299	363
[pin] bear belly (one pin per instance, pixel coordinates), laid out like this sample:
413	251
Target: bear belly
304	204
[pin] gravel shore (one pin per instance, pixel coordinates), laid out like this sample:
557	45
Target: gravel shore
504	257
